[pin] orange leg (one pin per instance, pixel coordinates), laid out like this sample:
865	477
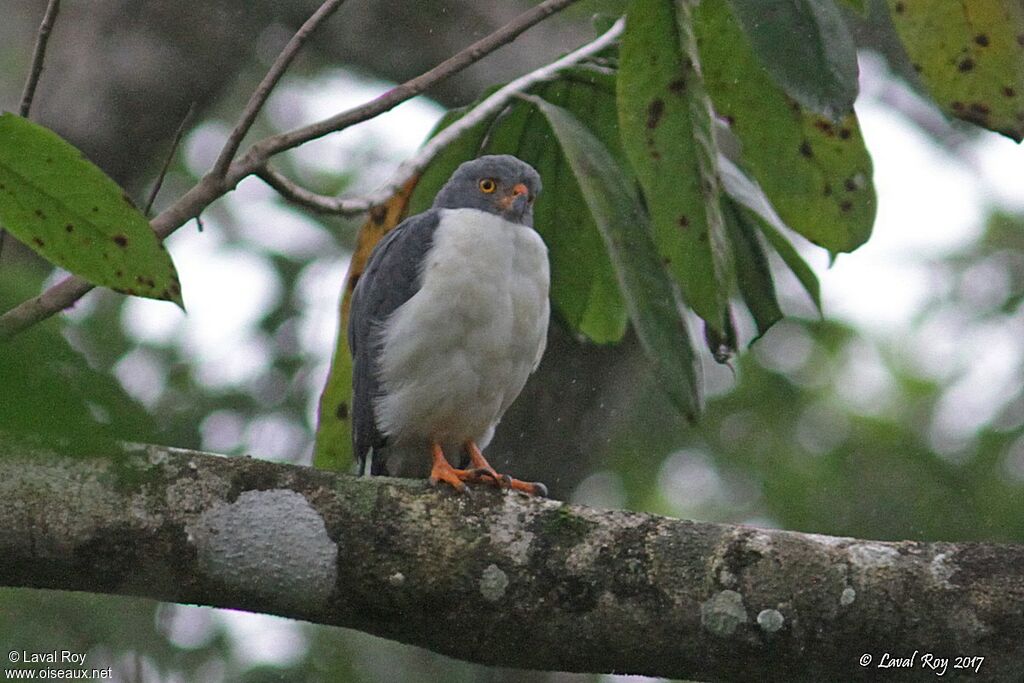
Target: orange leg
442	471
482	467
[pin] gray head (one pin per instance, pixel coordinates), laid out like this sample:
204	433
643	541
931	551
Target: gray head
499	183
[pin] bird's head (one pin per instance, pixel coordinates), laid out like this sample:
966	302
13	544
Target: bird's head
499	183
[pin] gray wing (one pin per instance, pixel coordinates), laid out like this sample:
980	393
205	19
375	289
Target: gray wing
391	278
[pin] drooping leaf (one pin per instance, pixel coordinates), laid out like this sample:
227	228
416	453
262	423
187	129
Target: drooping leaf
584	288
753	274
333	449
666	130
654	306
807	49
73	215
970	57
816	173
751	201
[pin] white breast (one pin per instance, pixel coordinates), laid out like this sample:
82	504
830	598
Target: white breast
459	351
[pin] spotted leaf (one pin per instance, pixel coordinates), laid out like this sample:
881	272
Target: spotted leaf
666	130
816	172
807	49
970	56
75	216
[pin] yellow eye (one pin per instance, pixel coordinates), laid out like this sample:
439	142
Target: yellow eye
487	186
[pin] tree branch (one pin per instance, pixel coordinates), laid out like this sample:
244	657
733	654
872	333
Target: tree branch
38	57
319	203
263	90
215	185
34	73
499	578
410	168
400	93
178	133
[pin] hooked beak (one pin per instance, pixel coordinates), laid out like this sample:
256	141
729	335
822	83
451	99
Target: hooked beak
516	201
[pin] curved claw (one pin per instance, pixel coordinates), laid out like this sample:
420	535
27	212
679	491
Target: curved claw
482	472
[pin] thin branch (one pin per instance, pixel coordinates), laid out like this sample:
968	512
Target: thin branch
263	90
213	186
170	157
400	93
537	583
481	112
34	73
38	57
311	200
489	106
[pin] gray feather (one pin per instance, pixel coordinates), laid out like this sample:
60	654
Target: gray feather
391	278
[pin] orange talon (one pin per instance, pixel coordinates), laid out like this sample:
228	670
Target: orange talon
481	466
443	471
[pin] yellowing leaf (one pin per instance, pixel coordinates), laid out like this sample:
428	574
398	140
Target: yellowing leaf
816	172
970	56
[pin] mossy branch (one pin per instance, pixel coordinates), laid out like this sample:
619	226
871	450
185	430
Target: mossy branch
500	578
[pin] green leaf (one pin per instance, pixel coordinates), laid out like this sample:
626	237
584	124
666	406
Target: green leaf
970	57
52	394
859	6
753	274
654	306
666	130
750	200
807	49
816	173
333	449
73	215
584	288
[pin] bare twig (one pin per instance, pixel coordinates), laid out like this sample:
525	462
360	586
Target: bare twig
35	71
311	200
481	112
262	92
170	157
400	93
489	106
213	186
38	56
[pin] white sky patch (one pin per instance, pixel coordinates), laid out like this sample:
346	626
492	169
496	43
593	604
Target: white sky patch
203	145
142	375
989	356
688	479
266	222
264	639
222	431
227	290
928	204
1001	164
371	149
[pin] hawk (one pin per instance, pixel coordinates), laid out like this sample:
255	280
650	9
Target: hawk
447	322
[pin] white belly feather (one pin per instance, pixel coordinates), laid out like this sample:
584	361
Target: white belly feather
459	351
